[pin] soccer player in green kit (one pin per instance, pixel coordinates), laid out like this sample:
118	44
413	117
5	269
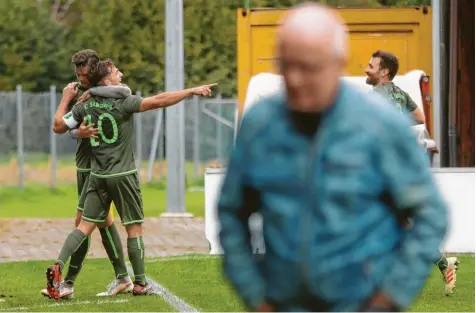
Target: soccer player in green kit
81	62
381	70
114	176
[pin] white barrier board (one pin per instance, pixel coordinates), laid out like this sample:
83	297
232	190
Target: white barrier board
456	185
263	85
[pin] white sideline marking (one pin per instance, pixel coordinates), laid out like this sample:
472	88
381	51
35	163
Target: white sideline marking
56	304
182	257
174	301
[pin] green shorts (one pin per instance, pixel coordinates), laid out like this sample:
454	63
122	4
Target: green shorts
82	179
124	191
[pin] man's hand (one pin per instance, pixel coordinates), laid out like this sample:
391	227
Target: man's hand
265	307
84	97
86	131
204	91
379	302
70	92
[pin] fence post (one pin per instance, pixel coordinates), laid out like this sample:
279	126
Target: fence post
138	139
20	153
155	143
219	130
53	137
196	137
161	144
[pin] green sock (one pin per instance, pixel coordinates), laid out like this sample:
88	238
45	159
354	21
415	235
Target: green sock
72	243
113	245
76	262
135	249
442	262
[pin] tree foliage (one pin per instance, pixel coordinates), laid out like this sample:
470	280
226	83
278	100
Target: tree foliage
38	38
31	51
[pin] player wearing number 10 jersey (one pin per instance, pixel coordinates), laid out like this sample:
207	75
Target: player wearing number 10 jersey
114	175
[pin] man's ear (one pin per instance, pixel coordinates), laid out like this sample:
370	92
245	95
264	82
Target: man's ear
385	72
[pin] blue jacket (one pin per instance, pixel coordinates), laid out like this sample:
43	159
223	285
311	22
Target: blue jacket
329	205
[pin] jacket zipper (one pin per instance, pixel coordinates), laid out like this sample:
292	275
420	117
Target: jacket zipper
308	213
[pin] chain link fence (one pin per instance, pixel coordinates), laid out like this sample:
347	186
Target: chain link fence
30	153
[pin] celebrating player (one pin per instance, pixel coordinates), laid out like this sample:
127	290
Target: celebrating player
81	62
114	176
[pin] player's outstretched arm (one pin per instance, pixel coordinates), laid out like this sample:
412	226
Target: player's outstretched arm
69	93
173	97
111	91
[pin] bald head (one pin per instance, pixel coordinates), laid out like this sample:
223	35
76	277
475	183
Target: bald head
316	24
312	46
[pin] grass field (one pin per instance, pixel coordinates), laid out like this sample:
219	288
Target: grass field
37	170
37	200
197	280
42	202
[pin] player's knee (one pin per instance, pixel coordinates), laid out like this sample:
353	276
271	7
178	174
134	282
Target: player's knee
86	227
106	224
109	221
134	230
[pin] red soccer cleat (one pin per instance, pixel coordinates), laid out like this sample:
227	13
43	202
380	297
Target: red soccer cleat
141	290
53	281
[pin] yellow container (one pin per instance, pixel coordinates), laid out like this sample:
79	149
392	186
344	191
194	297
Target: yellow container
406	32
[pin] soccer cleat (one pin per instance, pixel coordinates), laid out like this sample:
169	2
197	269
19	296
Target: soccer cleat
123	285
53	281
142	290
449	275
66	291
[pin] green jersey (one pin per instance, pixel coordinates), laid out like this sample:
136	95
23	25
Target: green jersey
113	151
83	150
399	98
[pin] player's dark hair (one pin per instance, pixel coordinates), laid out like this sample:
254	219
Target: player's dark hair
99	71
387	61
84	58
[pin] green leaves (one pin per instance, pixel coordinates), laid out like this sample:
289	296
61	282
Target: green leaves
30	47
37	39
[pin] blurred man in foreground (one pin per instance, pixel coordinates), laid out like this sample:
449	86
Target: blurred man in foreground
333	173
381	70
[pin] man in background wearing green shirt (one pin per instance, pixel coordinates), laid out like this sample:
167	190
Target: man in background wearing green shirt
381	70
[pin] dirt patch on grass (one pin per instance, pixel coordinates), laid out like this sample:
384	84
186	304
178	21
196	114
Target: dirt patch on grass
5	227
42	239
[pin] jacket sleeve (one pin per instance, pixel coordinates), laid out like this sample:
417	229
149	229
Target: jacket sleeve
233	209
411	184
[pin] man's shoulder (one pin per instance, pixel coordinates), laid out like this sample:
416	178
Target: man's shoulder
73	102
397	89
77	108
357	100
264	110
373	110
